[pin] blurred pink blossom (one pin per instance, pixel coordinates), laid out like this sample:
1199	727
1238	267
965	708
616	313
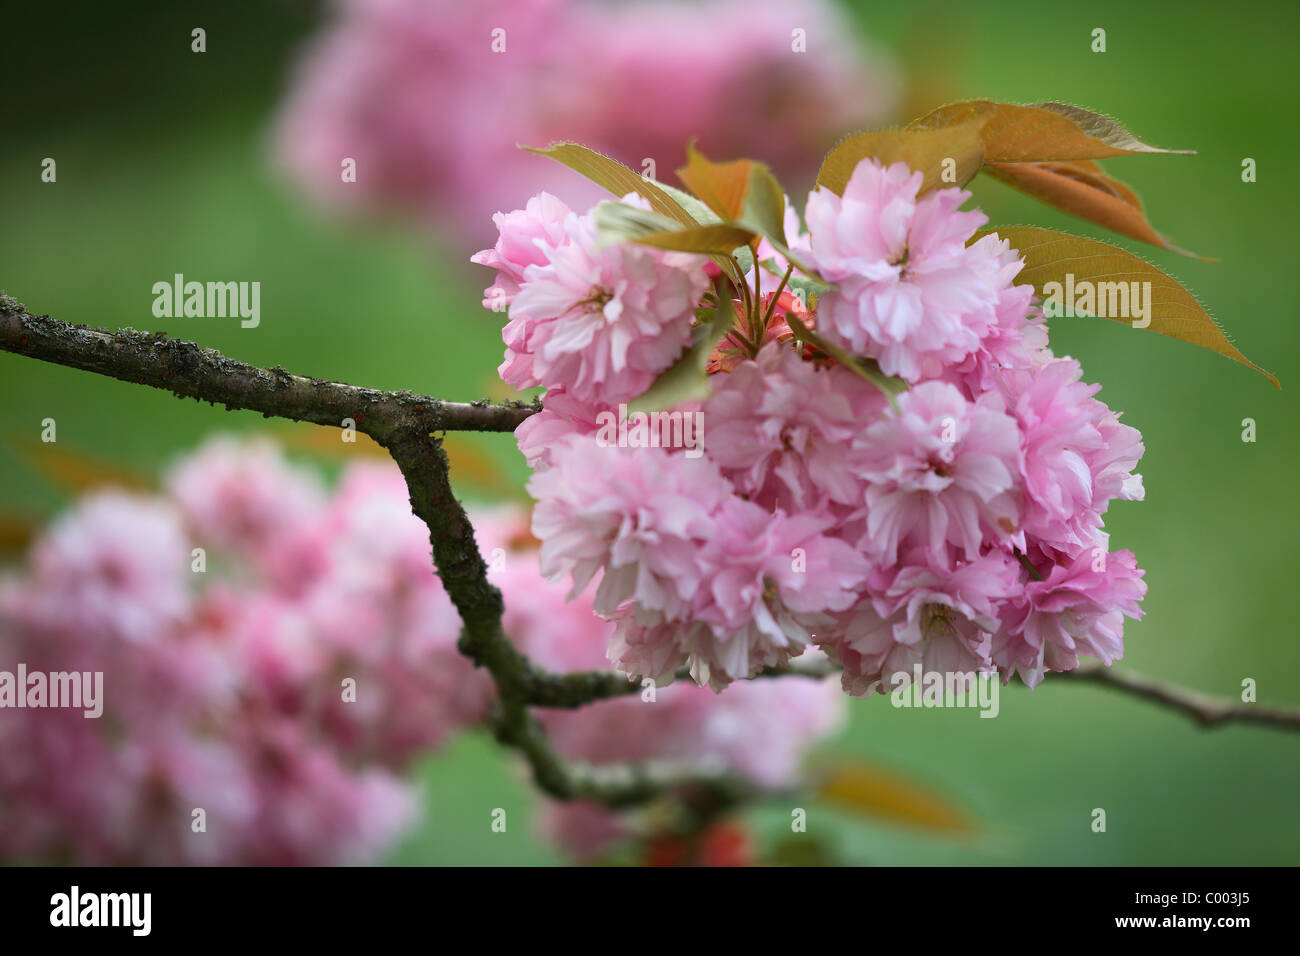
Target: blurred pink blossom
431	98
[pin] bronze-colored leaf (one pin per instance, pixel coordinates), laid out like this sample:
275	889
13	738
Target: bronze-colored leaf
720	186
16	531
742	193
947	155
881	794
1050	256
1082	189
1039	132
79	472
324	443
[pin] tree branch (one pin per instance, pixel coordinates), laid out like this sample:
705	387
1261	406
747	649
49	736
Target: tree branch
569	690
401	422
188	371
1207	711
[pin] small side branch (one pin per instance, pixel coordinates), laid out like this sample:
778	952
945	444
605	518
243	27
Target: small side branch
1205	710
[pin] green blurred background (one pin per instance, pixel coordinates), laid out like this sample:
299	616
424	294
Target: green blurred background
164	166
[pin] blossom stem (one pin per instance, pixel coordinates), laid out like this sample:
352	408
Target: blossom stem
771	308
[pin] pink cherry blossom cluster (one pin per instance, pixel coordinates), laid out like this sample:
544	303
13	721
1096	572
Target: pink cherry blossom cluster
429	98
760	730
224	681
956	526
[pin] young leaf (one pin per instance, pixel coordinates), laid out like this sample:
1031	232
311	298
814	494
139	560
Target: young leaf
763	209
686	378
1039	133
948	156
617	178
620	222
864	367
720	186
1081	188
742	193
699	212
1049	256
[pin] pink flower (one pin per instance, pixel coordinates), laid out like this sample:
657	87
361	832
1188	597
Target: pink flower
910	293
767	579
1017	340
243	496
601	319
759	729
379	615
226	691
413	92
782	429
522	237
1079	609
941	471
313	810
1075	454
561	415
640	515
116	568
942	619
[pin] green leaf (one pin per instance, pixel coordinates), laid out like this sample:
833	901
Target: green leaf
742	193
617	178
763	208
620	222
701	213
686	378
1050	256
809	290
763	211
864	367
